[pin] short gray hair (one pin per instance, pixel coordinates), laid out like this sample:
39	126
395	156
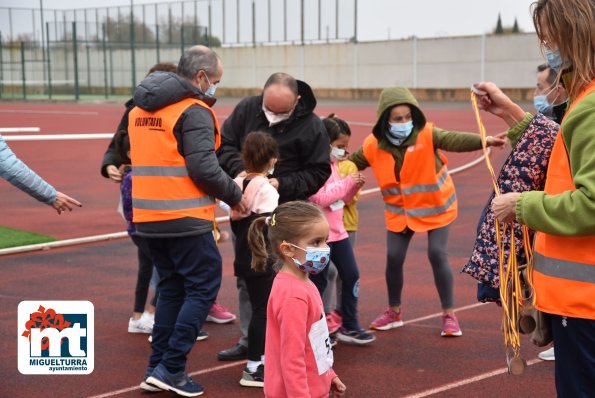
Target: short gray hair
198	58
283	79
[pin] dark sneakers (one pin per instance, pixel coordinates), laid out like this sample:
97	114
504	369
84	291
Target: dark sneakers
234	353
146	386
179	382
358	337
253	379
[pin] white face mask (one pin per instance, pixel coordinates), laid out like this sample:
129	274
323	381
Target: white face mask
275	118
338	153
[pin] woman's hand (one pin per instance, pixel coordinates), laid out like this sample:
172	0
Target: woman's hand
498	103
359	179
504	206
64	202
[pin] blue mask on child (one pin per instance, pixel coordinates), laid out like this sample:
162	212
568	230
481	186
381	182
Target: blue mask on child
554	59
398	132
317	258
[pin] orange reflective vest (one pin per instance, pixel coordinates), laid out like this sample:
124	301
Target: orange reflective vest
422	200
564	267
161	187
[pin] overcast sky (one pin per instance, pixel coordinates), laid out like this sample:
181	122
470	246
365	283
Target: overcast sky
377	19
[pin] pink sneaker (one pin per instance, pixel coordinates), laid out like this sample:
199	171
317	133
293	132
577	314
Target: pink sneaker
389	319
450	326
332	323
219	314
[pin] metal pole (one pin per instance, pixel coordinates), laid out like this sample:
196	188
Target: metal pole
238	21
210	30
253	23
355	21
269	18
104	48
157	31
76	61
319	21
49	64
132	39
336	19
302	20
414	59
223	21
24	78
1	66
42	39
482	65
87	52
284	20
195	27
182	30
169	21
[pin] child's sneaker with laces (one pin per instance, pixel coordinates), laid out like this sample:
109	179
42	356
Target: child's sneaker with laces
389	319
253	379
359	337
179	382
450	326
220	314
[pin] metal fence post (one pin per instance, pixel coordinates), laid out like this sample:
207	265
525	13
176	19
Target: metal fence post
1	66
49	62
132	52
104	47
23	70
76	62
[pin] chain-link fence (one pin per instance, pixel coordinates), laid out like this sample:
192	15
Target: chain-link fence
104	51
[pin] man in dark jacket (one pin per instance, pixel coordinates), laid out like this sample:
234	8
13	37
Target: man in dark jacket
175	176
285	109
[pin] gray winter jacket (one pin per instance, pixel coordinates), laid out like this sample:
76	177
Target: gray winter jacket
13	170
195	134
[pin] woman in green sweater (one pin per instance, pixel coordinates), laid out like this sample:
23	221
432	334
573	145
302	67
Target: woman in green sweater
563	214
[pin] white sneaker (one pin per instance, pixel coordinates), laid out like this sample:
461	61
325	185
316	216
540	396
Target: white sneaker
547	355
150	316
141	325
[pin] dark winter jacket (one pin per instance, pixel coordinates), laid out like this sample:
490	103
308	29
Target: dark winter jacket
304	161
195	136
110	156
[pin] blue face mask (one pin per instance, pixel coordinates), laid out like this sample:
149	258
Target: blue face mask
399	132
317	258
542	105
212	88
554	59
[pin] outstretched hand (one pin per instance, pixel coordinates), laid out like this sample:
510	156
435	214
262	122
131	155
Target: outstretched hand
498	140
64	202
498	103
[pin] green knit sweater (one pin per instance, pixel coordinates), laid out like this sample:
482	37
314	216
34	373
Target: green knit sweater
572	212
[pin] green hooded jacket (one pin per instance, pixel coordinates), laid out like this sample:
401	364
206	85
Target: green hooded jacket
453	141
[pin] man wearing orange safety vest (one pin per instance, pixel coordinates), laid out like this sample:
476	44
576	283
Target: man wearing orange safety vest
176	177
404	153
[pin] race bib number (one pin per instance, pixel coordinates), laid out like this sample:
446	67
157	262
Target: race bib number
321	345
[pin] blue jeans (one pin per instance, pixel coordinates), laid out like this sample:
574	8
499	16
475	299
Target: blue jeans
190	275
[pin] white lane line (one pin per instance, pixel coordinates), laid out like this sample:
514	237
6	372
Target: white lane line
58	137
31	111
463	382
439	314
4	130
197	373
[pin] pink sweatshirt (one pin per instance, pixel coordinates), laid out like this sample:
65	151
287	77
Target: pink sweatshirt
261	197
333	190
294	315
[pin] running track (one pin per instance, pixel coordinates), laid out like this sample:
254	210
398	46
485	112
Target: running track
413	361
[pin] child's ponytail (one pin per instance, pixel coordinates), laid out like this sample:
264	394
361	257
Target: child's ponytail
257	243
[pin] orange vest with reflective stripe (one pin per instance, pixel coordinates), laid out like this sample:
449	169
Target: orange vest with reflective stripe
422	200
161	187
564	272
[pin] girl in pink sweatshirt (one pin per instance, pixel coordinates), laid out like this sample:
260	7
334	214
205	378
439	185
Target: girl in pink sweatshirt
298	354
332	198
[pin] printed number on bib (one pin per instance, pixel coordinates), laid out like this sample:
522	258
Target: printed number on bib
321	345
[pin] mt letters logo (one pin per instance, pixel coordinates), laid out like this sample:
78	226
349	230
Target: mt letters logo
56	337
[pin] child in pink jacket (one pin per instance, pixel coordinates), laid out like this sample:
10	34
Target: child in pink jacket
332	198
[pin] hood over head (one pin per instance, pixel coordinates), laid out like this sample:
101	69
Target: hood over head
161	89
389	98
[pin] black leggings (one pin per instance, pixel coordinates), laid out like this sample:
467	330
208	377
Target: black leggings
397	244
145	272
259	289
